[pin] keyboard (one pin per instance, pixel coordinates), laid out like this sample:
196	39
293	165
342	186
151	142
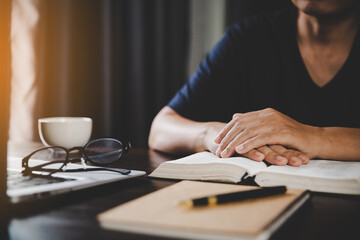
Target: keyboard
16	180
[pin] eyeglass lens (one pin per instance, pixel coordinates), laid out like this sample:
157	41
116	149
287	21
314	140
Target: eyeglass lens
51	154
103	151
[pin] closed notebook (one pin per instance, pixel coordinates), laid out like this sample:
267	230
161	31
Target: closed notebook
159	213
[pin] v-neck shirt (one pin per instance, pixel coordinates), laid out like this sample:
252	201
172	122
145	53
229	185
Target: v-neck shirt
257	64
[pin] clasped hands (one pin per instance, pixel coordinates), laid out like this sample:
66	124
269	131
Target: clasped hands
266	135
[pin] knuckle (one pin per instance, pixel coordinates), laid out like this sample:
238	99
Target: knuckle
271	155
236	116
273	113
247	131
222	145
221	134
287	153
264	149
270	110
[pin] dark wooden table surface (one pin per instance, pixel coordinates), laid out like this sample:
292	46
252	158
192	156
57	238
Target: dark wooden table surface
73	216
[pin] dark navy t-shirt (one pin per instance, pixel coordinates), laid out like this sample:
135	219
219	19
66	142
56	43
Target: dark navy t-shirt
257	64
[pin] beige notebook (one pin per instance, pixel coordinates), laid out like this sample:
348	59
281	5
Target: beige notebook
159	213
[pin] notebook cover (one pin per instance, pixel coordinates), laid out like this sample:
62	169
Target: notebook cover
158	213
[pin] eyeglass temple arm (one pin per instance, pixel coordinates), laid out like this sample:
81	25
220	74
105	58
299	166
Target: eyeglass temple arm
122	171
52	171
127	146
40	167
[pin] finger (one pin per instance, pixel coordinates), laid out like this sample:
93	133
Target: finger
255	155
291	155
227	149
304	158
221	135
272	156
247	133
227	128
230	141
224	131
294	156
263	140
238	135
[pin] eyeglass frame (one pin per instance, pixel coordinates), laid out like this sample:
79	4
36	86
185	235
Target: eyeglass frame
29	170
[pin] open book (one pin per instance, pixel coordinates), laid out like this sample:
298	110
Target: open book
318	175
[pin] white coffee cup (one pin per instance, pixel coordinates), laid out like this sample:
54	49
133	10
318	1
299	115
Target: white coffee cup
65	132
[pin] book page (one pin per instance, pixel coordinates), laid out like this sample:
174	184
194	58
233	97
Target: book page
321	169
318	175
252	167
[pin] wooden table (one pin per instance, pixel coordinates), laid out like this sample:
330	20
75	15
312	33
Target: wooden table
73	216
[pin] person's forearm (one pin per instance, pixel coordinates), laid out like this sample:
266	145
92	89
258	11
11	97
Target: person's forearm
338	143
173	133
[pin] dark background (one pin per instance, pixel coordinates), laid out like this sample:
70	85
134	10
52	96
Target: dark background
118	62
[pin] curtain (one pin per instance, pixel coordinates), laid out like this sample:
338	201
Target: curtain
207	25
24	23
118	62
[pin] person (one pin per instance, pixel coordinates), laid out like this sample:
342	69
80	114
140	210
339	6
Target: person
282	87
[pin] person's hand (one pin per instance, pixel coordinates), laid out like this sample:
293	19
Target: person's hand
253	130
213	129
275	154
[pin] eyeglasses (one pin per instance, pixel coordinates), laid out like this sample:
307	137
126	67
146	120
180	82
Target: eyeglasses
99	152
